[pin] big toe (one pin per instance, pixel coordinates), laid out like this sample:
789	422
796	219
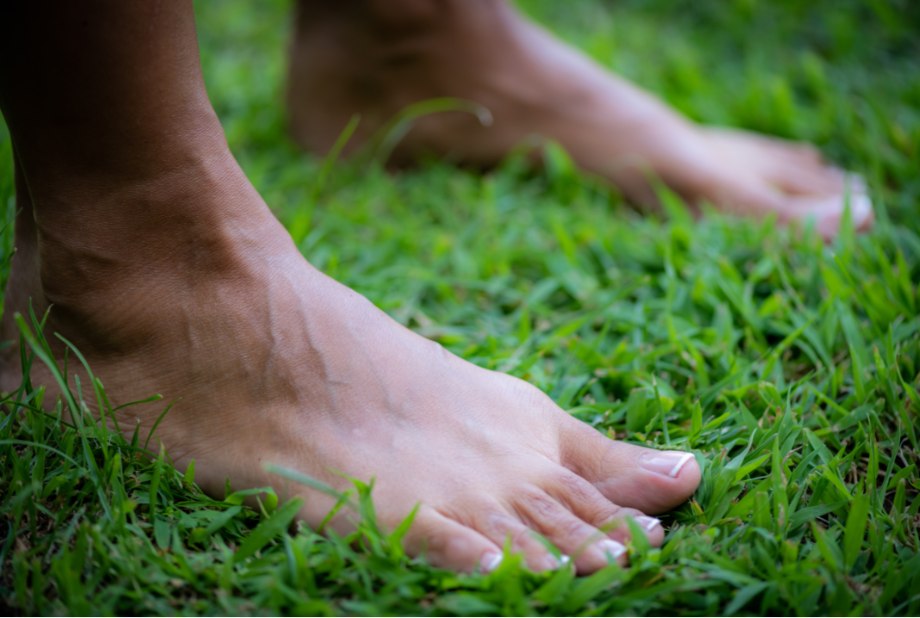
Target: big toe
650	480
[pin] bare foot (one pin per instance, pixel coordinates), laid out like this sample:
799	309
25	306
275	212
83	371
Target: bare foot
154	255
376	59
269	361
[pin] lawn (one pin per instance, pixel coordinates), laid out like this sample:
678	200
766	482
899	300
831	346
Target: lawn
790	367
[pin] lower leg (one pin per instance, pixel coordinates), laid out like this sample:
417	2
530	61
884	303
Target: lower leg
376	58
160	261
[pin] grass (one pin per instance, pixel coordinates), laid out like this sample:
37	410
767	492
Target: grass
789	366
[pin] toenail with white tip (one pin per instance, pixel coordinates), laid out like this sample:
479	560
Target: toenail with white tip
611	548
490	562
668	463
559	561
860	209
648	523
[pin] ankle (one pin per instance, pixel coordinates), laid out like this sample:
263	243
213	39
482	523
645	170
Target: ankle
368	29
178	225
376	57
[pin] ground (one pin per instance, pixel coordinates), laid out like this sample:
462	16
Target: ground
789	366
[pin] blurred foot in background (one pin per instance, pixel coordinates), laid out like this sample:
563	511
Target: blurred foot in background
376	58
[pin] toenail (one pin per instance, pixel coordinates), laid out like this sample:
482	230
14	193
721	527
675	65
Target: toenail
668	463
557	562
490	562
611	548
649	523
860	209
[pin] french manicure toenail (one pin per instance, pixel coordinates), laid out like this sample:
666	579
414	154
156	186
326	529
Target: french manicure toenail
860	208
490	562
649	523
611	548
559	561
668	463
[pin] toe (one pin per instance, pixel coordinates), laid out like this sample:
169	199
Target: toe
449	544
650	480
588	547
827	212
811	180
586	502
506	528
